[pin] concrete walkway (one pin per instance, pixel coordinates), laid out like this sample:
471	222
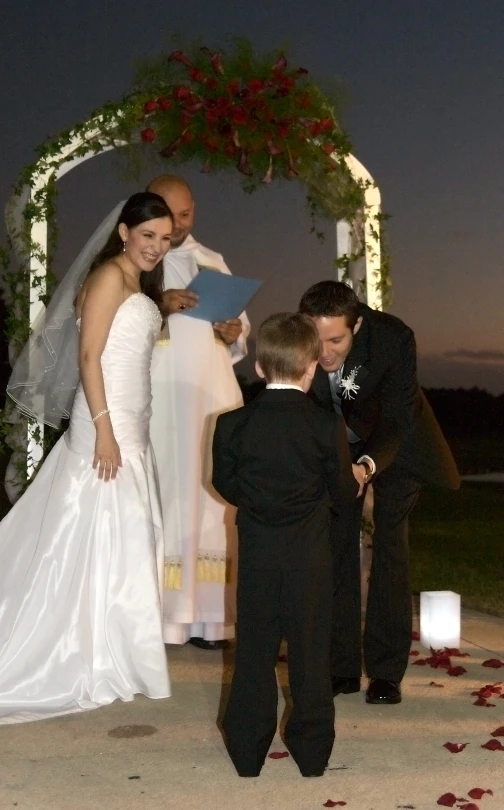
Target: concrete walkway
169	754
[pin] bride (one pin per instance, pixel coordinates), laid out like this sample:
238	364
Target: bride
81	552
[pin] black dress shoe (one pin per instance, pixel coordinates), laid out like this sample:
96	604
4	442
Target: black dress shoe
203	644
345	686
381	691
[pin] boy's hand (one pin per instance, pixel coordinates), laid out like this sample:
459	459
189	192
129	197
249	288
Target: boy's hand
360	475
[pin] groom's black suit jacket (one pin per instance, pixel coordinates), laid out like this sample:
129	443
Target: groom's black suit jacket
389	412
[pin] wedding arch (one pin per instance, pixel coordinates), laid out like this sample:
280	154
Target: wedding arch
231	110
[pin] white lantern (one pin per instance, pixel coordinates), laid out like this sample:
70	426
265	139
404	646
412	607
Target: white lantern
439	619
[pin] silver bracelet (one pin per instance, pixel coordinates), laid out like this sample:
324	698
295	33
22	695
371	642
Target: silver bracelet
101	413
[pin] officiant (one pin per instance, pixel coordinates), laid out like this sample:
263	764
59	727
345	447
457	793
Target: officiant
192	383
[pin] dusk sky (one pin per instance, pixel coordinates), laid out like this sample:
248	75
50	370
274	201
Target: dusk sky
425	114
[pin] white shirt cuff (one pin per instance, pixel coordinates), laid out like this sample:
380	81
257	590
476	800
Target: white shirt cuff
369	461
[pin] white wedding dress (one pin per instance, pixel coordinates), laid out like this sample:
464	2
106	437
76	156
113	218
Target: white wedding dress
81	561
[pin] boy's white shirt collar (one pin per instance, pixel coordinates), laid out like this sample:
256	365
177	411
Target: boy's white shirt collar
285	385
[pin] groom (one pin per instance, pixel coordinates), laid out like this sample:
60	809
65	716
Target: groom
367	372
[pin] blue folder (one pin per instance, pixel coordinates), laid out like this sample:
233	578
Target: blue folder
221	297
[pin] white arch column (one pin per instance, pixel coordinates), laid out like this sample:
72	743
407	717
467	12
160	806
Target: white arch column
349	236
48	169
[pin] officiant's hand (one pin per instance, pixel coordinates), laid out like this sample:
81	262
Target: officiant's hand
230	330
178	301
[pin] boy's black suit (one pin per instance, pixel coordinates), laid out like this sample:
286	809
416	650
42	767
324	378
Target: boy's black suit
398	430
282	466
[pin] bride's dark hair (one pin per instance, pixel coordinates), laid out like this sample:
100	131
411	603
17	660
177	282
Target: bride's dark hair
141	207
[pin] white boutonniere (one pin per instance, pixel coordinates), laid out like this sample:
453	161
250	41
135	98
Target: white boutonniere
348	384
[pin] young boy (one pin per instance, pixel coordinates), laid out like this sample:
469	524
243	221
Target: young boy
283	462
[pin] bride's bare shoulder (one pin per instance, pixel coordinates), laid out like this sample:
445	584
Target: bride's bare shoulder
106	280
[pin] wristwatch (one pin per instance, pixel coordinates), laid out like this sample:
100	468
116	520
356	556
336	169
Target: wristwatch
369	471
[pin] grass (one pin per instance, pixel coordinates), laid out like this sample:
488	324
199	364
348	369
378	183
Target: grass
457	544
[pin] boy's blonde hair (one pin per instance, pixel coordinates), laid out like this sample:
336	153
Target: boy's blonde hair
287	343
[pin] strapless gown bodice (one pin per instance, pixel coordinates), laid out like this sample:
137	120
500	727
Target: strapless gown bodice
126	372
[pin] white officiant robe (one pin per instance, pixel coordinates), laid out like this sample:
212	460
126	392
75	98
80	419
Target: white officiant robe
192	383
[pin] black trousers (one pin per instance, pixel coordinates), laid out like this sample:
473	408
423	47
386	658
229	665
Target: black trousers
387	635
272	604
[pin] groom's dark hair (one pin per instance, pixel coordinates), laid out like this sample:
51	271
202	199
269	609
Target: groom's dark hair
331	299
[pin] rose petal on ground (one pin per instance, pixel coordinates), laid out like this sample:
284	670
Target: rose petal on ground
414	652
447	800
478	793
330	803
493	663
420	662
456	671
282	659
278	754
415	636
499	732
493	745
455	748
440	685
482	702
456	652
468	806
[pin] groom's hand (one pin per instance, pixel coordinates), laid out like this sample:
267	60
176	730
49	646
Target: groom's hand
230	330
178	301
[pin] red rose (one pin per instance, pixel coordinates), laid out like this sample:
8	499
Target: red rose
255	85
328	148
151	106
233	87
164	103
212	83
148	135
211	117
315	129
197	76
239	115
182	92
283	128
326	124
187	137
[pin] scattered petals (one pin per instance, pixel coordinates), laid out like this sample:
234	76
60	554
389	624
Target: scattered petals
282	658
499	732
420	662
455	672
493	745
439	685
414	653
493	663
330	803
468	806
478	793
415	636
278	754
447	800
482	702
455	652
455	748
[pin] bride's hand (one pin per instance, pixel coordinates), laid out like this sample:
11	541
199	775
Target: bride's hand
107	457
